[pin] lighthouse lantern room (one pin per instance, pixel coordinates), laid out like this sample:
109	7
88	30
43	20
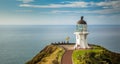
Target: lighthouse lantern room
81	35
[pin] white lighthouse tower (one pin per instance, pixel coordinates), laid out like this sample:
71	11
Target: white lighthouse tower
81	35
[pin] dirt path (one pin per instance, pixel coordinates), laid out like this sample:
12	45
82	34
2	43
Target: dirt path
67	57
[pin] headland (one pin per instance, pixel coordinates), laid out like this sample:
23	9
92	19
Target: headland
65	53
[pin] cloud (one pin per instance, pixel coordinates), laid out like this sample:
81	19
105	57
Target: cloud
70	4
103	11
79	4
107	7
26	1
114	4
110	7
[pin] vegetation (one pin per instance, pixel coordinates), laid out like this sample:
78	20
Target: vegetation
51	54
96	55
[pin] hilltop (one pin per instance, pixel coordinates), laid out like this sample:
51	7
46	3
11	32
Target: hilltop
52	54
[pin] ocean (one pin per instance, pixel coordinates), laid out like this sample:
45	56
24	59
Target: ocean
20	43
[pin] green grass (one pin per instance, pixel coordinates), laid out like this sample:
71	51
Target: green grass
81	53
96	55
51	54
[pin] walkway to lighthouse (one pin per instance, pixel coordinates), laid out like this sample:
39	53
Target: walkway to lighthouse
67	57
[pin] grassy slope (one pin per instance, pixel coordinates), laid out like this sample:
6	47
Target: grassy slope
96	55
51	54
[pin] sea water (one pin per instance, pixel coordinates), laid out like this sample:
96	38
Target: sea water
19	43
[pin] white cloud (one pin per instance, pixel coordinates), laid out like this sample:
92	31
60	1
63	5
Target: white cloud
80	4
26	1
114	4
108	7
70	4
103	11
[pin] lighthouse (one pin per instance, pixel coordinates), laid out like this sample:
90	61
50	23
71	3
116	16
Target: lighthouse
81	35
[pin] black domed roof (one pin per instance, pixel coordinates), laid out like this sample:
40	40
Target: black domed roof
81	21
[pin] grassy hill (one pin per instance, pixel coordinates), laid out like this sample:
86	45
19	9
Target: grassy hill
96	55
52	54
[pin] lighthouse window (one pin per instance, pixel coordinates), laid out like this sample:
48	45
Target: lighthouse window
80	27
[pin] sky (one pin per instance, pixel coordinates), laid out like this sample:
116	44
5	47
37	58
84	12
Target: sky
59	12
